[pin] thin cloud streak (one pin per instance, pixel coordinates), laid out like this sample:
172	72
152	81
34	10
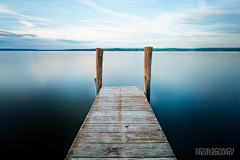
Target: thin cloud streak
28	24
5	10
108	11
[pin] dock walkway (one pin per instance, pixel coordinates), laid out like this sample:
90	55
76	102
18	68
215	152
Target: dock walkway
120	125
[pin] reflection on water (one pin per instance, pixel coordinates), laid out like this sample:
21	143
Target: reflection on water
45	96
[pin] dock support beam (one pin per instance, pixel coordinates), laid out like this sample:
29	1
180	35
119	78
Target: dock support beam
99	59
147	69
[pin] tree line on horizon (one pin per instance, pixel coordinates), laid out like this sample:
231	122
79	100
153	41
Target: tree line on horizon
127	49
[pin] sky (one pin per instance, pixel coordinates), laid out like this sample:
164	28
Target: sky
72	24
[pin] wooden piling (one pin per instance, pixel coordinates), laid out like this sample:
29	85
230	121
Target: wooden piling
95	85
145	85
147	69
99	59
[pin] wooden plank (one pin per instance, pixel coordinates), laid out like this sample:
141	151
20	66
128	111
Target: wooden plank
122	97
140	137
123	113
117	88
123	108
116	119
110	89
121	87
142	101
120	127
130	94
123	103
122	92
121	150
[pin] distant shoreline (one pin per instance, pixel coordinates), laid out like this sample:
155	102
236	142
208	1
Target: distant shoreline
129	49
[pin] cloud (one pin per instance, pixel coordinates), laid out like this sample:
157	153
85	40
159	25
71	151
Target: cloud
5	34
97	22
108	11
74	42
203	39
5	10
10	39
34	41
28	24
230	30
171	26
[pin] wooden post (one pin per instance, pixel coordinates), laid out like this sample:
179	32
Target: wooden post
95	85
147	69
99	59
145	85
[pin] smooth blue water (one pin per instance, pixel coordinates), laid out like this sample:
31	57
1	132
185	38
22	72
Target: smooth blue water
45	96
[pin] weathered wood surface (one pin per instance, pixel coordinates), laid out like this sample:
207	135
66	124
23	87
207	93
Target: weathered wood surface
120	125
123	108
99	60
116	119
134	137
121	150
123	113
147	69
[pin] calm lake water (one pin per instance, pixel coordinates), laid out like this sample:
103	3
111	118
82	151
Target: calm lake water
45	96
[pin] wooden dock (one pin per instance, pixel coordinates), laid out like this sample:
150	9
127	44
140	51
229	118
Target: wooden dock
120	125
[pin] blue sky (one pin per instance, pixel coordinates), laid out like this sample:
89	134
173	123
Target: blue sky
59	24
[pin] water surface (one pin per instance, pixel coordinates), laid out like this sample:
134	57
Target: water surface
45	96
